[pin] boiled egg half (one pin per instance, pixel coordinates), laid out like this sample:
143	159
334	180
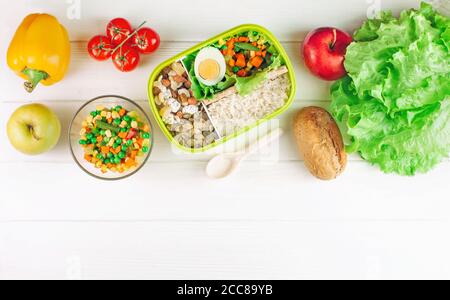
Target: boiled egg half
210	66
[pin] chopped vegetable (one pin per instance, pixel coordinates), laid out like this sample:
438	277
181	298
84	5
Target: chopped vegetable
240	62
246	46
257	61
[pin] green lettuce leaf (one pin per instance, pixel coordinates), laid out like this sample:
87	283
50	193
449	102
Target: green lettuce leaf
394	106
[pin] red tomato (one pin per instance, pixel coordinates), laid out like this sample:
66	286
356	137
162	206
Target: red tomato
100	47
146	40
118	30
126	58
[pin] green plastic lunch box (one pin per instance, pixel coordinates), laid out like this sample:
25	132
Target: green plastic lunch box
180	57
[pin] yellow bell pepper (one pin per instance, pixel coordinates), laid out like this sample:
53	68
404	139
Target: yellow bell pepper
40	51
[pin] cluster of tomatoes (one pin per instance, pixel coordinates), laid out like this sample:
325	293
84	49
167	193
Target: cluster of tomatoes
123	44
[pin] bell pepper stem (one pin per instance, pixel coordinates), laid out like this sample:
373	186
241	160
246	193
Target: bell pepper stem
34	78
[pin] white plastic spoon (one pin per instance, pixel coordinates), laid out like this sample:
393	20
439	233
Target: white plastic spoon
224	165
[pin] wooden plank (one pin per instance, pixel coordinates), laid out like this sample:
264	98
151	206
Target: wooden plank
181	191
289	19
223	250
88	78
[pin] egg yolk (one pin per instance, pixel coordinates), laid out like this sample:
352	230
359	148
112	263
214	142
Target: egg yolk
209	69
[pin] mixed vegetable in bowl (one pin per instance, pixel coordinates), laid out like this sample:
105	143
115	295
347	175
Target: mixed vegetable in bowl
114	138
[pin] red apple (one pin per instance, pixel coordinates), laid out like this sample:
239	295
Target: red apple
324	52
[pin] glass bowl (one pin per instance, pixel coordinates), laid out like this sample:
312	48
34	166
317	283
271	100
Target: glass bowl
76	126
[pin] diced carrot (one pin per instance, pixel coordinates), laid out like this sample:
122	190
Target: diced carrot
99	138
264	54
257	61
123	135
230	48
140	142
232	63
146	128
244	39
110	120
88	157
133	154
130	163
240	62
122	112
255	44
105	150
117	150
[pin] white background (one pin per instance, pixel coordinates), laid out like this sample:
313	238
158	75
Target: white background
271	221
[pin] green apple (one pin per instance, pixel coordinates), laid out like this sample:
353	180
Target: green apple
34	129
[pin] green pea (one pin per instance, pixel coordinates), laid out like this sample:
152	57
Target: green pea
94	114
122	155
89	136
235	69
95	131
119	141
123	129
83	142
103	132
100	156
146	135
127	119
110	155
107	161
117	160
117	122
94	141
145	149
118	107
129	143
124	147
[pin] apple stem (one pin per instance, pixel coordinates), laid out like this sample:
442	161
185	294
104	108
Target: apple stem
32	132
334	39
34	78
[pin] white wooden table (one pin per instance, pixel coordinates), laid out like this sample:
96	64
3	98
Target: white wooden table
271	221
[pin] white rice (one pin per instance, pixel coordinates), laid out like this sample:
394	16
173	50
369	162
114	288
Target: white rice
236	112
